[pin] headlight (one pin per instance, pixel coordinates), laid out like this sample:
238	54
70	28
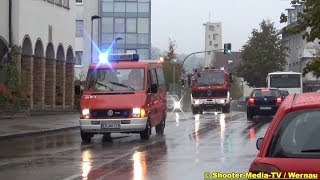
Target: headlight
86	113
177	105
138	112
197	102
222	101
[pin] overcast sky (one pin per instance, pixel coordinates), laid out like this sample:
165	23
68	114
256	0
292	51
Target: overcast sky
182	20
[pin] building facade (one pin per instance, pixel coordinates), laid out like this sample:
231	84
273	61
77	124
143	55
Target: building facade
301	52
125	27
85	9
213	41
43	32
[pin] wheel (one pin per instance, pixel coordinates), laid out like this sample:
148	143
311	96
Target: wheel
160	127
194	110
86	137
226	109
249	115
145	134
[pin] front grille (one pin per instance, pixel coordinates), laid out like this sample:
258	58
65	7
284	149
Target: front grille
110	113
209	93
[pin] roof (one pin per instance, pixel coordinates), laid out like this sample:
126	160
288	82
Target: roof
302	101
222	60
285	72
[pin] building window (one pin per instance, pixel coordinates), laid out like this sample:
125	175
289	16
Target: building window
131	7
107	25
213	37
107	7
143	7
143	25
79	2
131	51
79	28
131	25
119	25
79	55
131	38
209	53
209	36
107	38
66	3
210	43
119	7
216	45
143	54
143	38
211	28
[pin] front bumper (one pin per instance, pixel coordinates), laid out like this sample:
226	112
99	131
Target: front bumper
207	104
126	125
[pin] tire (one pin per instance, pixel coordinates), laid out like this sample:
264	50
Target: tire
249	115
226	109
160	127
86	137
194	110
145	134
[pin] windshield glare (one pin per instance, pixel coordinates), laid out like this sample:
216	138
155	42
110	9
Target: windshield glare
216	78
115	80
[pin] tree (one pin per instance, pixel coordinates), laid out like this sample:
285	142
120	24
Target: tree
263	53
308	25
169	65
313	66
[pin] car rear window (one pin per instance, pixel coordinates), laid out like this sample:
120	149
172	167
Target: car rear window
265	93
297	136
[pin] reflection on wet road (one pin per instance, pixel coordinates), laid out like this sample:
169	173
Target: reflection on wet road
192	145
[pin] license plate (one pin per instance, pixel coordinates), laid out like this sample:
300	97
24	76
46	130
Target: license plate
265	108
210	102
110	125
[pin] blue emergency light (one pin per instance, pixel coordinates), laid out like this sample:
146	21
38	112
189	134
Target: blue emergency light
105	58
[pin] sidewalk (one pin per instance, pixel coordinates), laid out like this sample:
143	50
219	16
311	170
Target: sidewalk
37	124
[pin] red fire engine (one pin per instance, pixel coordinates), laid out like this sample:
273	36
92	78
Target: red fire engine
210	90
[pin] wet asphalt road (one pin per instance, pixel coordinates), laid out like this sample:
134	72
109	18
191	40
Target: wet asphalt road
192	145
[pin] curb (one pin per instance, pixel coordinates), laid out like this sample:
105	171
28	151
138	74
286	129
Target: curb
38	132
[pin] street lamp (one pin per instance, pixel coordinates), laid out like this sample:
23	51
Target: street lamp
115	42
174	75
93	18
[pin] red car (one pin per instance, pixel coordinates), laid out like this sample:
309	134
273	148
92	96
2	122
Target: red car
292	141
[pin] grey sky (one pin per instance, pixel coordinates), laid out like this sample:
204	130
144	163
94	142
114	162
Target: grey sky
182	20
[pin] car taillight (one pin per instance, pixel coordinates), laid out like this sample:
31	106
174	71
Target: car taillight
279	100
251	101
265	168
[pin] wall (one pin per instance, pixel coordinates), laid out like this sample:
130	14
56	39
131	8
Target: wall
4	19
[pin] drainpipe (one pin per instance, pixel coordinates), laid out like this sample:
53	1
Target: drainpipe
10	24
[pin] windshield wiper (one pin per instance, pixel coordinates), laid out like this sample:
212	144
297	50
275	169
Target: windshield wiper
105	86
122	85
310	150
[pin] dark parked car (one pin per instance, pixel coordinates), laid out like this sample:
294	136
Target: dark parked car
263	101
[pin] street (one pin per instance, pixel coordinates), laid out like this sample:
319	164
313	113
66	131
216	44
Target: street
191	146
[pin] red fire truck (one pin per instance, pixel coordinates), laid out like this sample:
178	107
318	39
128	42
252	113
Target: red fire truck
210	90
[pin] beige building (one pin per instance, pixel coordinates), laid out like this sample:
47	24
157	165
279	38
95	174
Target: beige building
85	9
213	41
301	52
44	32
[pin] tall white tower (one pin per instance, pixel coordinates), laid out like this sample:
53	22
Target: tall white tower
213	40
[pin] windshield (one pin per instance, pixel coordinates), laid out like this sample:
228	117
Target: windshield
115	80
297	136
285	81
257	93
210	78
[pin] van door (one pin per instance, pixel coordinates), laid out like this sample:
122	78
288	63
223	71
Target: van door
155	99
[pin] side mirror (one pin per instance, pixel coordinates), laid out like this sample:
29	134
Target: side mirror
259	143
154	88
